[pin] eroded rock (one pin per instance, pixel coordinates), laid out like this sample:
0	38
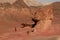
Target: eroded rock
45	16
28	20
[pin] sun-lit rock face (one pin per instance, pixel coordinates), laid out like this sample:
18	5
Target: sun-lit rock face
12	19
56	11
32	3
56	19
25	3
20	3
10	1
45	16
22	21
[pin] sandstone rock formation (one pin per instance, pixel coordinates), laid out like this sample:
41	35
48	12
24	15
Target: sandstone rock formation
15	17
52	17
19	3
32	3
45	16
26	3
24	20
56	10
56	17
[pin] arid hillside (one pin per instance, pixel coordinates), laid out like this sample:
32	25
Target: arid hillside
19	21
56	10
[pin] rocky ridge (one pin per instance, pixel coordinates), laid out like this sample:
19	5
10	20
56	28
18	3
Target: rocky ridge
34	20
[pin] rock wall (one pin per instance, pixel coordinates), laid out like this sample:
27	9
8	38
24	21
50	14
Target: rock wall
30	20
38	22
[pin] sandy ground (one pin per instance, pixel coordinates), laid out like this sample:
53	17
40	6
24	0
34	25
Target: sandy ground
24	36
